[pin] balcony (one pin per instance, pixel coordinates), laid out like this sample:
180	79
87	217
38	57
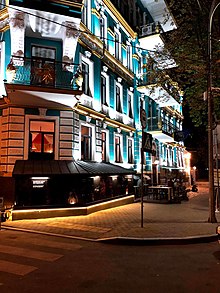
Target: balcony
42	72
161	129
150	29
41	81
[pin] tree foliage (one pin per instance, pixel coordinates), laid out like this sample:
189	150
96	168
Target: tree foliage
187	45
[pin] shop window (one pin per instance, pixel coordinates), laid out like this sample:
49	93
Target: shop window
41	139
86	143
118	157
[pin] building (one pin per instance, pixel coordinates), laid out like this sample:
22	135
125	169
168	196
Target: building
73	81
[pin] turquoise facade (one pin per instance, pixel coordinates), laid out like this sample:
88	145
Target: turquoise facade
81	71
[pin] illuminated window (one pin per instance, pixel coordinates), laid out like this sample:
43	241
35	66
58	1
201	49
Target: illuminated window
118	157
41	139
86	143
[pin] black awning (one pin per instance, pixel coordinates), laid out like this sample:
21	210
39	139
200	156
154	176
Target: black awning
67	167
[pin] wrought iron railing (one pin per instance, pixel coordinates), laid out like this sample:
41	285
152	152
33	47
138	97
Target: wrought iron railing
45	72
160	124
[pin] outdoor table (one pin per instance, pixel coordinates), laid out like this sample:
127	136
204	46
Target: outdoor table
168	191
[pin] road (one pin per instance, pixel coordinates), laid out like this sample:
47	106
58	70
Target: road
38	263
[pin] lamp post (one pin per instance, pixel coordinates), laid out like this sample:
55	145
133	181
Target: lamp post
212	218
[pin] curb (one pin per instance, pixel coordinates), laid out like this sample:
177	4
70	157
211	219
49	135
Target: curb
160	241
129	240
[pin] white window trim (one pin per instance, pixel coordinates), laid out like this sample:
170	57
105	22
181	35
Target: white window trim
107	143
91	73
27	130
116	30
132	103
121	148
87	15
93	143
130	55
121	95
104	17
107	87
132	139
2	67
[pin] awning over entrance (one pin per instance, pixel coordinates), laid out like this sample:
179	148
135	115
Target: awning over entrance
67	167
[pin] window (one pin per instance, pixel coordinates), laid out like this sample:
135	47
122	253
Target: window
86	143
85	87
104	146
103	90
118	99
118	157
85	12
129	60
130	106
41	139
43	65
117	55
130	151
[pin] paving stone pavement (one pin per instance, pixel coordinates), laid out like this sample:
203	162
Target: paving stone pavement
160	221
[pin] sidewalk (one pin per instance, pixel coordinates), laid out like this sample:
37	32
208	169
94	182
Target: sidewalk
163	223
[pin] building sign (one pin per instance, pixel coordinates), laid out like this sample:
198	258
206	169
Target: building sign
39	182
147	142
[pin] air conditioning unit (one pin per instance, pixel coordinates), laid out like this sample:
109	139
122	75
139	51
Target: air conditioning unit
147	30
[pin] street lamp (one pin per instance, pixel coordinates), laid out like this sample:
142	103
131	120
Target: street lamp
212	218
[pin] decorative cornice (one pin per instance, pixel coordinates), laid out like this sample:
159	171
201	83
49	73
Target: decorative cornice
103	117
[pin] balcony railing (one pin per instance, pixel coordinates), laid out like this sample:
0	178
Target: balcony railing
150	29
44	72
160	124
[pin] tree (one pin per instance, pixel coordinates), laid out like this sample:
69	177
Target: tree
187	45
